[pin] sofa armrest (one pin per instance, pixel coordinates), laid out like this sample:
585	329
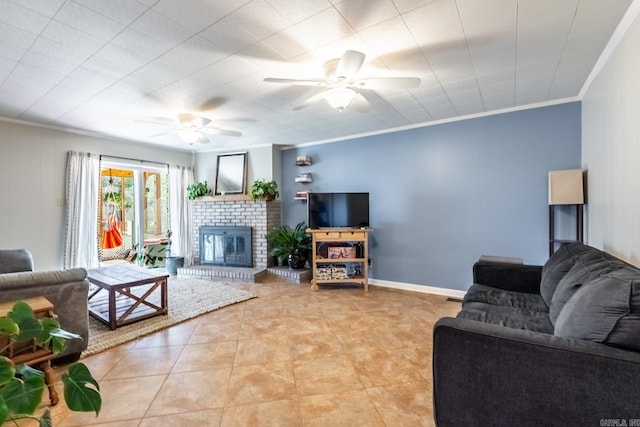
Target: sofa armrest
490	375
512	277
67	290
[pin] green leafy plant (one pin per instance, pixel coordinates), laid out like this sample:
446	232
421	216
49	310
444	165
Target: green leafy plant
286	241
152	254
197	190
264	190
21	386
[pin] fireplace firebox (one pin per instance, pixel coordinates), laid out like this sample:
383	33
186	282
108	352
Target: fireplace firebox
226	246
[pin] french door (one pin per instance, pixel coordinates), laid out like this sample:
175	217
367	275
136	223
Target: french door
134	207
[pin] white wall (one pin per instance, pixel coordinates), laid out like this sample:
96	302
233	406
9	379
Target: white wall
32	184
611	151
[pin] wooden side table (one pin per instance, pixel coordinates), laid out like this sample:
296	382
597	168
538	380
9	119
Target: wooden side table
29	353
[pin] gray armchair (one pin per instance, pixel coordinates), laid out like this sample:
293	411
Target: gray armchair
66	289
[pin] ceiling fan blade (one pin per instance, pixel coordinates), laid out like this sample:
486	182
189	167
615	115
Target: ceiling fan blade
154	122
185	118
349	64
212	103
161	134
315	97
387	83
218	131
192	120
296	82
360	103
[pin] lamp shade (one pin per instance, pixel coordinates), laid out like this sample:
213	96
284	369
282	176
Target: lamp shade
566	187
339	98
189	135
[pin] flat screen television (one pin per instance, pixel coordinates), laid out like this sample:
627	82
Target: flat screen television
329	210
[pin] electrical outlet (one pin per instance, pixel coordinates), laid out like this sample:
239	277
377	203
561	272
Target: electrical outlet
61	201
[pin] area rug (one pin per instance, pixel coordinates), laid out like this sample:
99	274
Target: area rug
188	298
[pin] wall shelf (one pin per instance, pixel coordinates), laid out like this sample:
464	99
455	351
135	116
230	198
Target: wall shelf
303	161
304	178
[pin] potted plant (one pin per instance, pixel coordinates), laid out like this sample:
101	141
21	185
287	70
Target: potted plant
292	244
21	386
151	255
173	261
197	190
264	190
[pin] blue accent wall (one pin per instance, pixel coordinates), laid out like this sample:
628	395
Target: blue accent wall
441	196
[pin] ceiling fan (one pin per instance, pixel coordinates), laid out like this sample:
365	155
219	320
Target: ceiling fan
192	129
340	87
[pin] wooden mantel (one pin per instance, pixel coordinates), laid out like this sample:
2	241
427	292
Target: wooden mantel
225	198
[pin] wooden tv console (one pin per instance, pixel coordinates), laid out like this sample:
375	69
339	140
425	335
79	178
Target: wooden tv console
340	255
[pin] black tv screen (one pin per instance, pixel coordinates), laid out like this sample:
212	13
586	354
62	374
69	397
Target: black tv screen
338	210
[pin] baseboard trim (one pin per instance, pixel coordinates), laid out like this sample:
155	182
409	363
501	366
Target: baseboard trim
451	293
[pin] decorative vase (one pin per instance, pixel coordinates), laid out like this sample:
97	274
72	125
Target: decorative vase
173	263
296	262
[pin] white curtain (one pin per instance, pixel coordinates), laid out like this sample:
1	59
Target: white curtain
81	231
180	177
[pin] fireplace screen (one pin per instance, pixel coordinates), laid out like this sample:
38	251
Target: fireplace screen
228	246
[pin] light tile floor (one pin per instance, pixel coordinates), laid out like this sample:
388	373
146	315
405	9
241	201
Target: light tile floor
291	357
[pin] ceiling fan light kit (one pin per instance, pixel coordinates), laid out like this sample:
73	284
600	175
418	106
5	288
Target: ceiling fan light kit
341	86
190	136
339	98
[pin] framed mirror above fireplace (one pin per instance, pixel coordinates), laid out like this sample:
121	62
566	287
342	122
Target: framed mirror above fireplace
231	172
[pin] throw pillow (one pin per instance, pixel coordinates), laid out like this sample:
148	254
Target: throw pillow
586	266
605	309
557	266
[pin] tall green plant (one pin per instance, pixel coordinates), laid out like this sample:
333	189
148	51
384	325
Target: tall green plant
286	241
21	386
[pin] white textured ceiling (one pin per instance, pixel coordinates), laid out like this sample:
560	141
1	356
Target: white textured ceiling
101	65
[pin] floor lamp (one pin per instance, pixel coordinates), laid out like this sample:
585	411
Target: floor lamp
566	187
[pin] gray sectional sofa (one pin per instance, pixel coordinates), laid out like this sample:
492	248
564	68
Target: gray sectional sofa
66	289
548	345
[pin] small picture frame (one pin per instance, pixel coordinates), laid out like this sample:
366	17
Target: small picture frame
340	252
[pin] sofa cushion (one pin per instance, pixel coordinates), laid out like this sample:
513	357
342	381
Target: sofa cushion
557	266
495	296
605	309
15	260
511	317
587	266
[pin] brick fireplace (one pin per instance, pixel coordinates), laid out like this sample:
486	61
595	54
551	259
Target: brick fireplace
261	216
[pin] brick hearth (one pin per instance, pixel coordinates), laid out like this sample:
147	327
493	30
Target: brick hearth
233	211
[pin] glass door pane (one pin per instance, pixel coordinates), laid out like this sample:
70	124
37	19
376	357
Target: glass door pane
113	238
134	208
